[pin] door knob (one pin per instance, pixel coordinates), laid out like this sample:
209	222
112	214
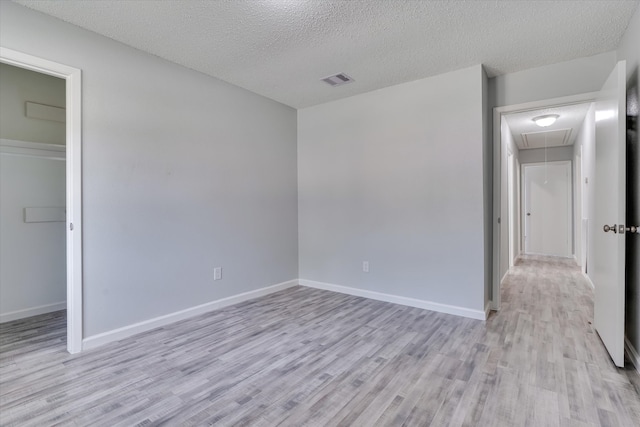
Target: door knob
608	228
632	229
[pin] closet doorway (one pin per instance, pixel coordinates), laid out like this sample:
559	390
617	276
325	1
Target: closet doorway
73	186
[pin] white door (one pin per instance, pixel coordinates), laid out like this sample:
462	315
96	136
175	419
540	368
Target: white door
608	258
547	208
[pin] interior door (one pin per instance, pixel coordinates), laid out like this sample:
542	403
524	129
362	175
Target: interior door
547	193
609	256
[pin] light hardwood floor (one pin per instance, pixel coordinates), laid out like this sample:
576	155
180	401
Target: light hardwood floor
305	357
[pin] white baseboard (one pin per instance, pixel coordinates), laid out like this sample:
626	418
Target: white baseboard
411	302
504	276
33	311
633	354
147	325
586	276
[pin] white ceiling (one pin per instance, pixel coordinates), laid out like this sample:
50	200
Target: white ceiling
282	48
528	135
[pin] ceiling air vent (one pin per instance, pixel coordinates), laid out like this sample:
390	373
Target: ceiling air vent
337	79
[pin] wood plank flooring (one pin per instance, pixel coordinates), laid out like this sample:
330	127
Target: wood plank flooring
306	357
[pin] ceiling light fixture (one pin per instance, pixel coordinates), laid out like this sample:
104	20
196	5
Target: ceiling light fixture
546	120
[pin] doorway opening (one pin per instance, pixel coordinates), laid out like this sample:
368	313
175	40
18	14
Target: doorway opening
73	186
518	145
602	174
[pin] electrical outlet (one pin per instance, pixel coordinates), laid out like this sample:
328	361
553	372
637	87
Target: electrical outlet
365	266
217	273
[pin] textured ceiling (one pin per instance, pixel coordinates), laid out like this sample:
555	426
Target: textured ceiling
571	117
282	48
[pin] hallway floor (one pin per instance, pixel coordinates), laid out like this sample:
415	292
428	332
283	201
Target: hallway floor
307	357
547	311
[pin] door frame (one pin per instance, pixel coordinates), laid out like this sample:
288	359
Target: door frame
578	196
499	168
73	88
511	207
570	192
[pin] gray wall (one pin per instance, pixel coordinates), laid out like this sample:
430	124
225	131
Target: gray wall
181	173
629	50
17	86
395	177
581	75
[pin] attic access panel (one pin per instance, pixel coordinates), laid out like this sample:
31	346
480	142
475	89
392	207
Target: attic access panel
554	138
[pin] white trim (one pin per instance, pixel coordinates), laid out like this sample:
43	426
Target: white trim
395	299
14	147
73	78
588	279
498	112
504	276
32	145
553	256
545	103
487	309
632	353
32	311
147	325
497	210
44	214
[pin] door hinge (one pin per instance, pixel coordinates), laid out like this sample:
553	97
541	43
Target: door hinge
71	226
